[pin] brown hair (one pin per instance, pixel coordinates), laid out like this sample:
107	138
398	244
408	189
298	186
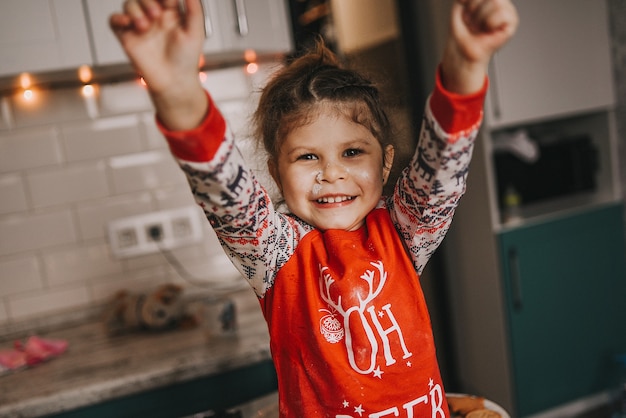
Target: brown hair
292	98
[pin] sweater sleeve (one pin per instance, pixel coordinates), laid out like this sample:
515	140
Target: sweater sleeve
201	143
457	114
256	237
428	191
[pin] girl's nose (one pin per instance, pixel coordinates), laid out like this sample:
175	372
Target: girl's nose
333	171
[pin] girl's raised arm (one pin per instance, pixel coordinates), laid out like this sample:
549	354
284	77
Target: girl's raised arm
478	28
164	44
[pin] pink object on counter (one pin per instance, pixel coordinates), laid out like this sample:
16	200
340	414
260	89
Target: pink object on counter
34	351
12	359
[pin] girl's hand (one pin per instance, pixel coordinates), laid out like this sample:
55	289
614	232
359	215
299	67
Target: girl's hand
164	45
478	28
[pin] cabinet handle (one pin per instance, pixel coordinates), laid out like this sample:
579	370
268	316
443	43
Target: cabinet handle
208	24
493	90
515	279
242	17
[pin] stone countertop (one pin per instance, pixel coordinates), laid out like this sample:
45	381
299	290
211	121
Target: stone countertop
97	368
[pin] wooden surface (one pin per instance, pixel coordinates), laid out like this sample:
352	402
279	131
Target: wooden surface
98	368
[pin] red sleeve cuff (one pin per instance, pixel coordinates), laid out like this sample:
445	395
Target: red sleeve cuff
457	112
201	143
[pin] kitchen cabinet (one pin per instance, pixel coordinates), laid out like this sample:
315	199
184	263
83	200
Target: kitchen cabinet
537	307
50	35
536	302
220	392
231	27
261	25
42	35
564	287
107	50
553	66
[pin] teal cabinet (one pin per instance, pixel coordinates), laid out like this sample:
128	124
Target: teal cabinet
217	392
564	284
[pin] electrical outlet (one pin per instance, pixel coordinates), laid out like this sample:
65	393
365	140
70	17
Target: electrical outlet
127	237
149	233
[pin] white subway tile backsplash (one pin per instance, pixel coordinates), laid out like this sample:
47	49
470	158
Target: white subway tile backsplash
154	138
102	138
211	268
19	274
66	172
79	263
259	79
174	197
30	305
49	107
12	195
144	261
4	316
29	148
32	231
148	170
123	98
69	184
94	216
237	115
136	281
6	114
228	84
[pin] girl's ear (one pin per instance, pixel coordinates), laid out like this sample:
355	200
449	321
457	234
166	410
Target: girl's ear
273	169
387	162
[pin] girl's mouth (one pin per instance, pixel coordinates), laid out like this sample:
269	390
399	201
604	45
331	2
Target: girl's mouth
334	199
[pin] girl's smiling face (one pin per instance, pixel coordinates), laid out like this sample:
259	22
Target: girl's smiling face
331	171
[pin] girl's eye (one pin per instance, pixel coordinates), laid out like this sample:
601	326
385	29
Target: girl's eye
352	152
307	157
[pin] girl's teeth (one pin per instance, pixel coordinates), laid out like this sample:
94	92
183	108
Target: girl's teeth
333	199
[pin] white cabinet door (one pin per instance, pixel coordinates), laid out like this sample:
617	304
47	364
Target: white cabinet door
107	49
558	63
214	39
262	25
42	35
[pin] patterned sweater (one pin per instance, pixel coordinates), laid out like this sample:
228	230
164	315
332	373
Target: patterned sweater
350	333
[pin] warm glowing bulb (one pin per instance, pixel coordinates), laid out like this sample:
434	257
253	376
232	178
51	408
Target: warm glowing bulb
28	95
252	68
26	80
88	90
84	73
249	55
202	75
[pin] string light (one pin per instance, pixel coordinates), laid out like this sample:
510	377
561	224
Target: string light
29	91
252	68
250	55
88	90
26	82
28	95
89	93
85	74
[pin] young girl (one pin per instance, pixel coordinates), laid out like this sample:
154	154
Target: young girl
337	276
